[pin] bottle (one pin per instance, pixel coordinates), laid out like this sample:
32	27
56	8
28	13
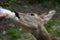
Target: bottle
10	14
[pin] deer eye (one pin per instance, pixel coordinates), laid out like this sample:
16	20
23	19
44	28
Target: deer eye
32	14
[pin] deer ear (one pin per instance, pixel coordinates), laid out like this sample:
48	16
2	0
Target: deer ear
52	12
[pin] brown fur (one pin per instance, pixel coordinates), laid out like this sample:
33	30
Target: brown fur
35	26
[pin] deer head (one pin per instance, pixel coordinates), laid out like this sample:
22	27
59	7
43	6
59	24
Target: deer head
35	24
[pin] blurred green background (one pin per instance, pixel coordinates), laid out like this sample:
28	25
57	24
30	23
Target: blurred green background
32	6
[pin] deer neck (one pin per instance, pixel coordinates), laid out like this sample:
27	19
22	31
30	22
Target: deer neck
42	34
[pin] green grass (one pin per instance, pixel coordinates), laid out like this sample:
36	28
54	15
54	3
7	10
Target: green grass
24	35
13	33
55	31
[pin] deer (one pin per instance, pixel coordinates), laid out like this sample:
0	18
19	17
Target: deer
33	23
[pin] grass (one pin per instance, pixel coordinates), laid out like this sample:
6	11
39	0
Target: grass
24	35
21	35
53	27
